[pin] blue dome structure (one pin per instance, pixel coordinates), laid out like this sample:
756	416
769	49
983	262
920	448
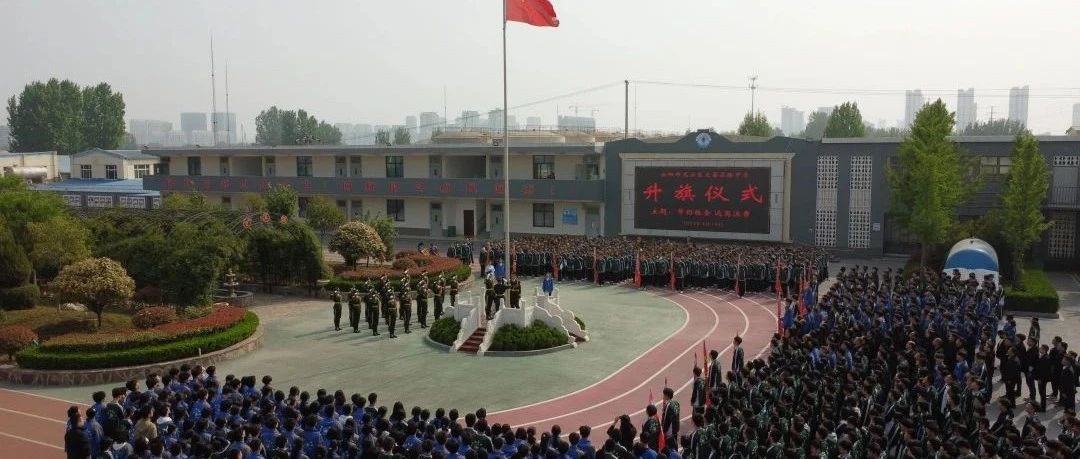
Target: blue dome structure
972	255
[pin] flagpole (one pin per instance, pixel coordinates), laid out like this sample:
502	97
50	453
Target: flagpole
506	148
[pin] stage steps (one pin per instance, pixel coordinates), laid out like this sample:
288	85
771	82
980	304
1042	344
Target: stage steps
471	345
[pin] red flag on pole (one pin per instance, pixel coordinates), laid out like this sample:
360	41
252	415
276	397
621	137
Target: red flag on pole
662	442
595	273
539	13
802	293
779	299
555	266
672	272
513	262
637	269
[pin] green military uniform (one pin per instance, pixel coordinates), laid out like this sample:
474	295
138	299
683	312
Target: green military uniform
422	302
515	293
354	310
405	305
489	296
390	310
453	291
336	296
371	308
440	295
500	293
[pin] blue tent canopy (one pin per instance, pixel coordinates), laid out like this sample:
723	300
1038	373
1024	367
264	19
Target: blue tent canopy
972	254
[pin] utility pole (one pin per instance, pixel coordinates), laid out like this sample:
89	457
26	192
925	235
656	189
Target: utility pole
753	87
991	113
228	127
213	95
626	109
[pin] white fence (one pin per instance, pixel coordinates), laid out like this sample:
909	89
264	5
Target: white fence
543	308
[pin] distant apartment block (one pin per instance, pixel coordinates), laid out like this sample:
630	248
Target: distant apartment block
792	121
1018	104
966	110
913	102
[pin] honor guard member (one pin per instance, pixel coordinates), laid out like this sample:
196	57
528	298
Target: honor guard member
336	296
489	294
500	293
354	310
371	307
439	292
391	311
454	286
515	292
405	299
422	293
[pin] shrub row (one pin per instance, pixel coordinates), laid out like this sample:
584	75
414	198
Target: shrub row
21	297
154	316
445	330
536	336
461	273
1038	294
429	263
221	319
43	359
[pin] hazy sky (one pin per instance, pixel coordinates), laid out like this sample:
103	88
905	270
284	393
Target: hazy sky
376	61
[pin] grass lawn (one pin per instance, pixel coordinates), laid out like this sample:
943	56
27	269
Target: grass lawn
47	322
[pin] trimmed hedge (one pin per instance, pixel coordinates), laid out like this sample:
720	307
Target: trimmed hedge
217	321
41	359
21	297
445	330
1039	295
460	272
536	336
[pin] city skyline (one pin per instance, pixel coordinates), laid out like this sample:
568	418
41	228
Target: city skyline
307	71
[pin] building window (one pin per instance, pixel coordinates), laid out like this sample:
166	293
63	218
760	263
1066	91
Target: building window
340	169
395	209
194	166
303	166
395	167
592	168
354	166
1062	235
357	210
270	163
110	171
224	166
995	165
862	174
142	170
85	171
544	167
825	215
543	215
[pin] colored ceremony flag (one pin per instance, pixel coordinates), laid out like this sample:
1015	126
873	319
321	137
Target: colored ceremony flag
779	300
555	266
650	397
637	269
672	271
595	273
662	443
539	13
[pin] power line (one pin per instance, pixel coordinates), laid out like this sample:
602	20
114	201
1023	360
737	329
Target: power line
854	91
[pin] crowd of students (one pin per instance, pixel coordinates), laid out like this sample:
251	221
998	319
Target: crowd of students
880	364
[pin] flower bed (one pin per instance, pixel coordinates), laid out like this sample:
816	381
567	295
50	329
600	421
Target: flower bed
153	316
186	346
14	338
220	319
432	265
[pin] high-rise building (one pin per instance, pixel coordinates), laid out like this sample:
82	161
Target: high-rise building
226	127
533	123
495	121
429	121
913	102
966	110
1018	104
410	125
191	121
470	119
1075	122
5	141
826	110
792	121
149	132
577	123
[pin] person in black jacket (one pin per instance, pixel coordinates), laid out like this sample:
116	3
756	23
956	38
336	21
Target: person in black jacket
1029	360
1010	374
1044	370
1067	383
76	443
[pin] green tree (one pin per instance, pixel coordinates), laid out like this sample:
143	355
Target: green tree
1001	126
47	116
15	267
815	127
1025	189
384	225
323	215
382	137
57	242
356	240
755	125
275	126
197	257
845	121
103	117
283	253
328	134
96	282
268	127
885	132
253	202
193	201
20	206
402	136
932	178
282	200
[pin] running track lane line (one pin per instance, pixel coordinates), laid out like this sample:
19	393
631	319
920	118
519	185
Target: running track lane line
30	441
686	321
716	323
730	302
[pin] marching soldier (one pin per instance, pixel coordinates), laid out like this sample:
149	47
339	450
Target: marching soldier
489	295
390	308
354	310
422	289
336	296
454	286
500	293
515	292
371	308
405	299
440	295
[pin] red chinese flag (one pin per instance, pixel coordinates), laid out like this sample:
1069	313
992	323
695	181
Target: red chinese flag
555	266
539	13
672	271
662	443
637	270
802	295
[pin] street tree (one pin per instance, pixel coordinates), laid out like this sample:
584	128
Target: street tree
323	215
47	116
356	240
402	136
932	178
845	121
1023	222
95	282
382	137
755	125
384	226
815	127
275	126
1002	126
103	117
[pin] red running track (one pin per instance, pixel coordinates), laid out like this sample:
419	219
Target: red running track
33	425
